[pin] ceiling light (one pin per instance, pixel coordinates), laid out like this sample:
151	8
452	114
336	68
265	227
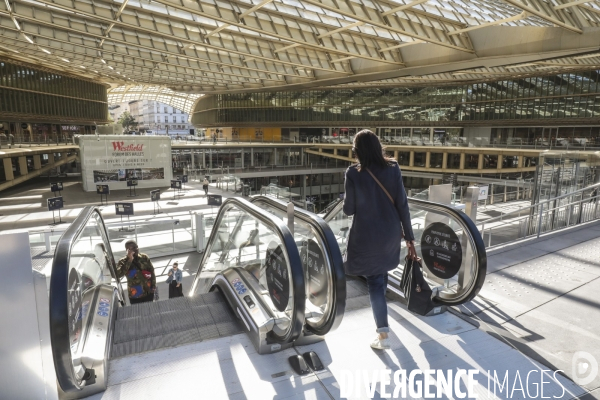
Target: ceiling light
28	38
64	59
81	66
110	67
16	23
102	59
44	50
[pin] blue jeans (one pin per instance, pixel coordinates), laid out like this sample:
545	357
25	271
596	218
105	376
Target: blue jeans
377	285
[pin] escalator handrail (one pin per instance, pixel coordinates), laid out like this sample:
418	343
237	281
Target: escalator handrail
287	239
473	235
58	299
338	274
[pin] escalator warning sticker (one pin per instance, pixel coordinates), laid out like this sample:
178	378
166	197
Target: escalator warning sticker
239	286
441	250
103	307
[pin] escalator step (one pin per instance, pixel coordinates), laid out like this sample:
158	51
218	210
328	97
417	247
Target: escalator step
213	297
221	312
175	321
202	316
230	328
151	326
176	304
209	332
196	301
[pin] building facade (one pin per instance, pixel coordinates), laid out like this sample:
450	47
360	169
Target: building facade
558	109
160	118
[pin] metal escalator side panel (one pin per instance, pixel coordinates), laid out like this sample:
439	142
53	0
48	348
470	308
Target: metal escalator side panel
469	279
464	225
250	307
101	313
268	239
80	264
334	263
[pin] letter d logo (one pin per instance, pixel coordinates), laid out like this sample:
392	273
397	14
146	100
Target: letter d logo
585	368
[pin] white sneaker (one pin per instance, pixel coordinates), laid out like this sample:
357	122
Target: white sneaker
380	344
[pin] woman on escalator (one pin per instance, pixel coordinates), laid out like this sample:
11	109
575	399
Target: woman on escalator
375	196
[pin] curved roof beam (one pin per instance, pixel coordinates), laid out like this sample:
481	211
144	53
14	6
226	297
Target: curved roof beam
544	11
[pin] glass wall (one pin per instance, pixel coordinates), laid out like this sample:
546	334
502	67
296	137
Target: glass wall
26	90
564	96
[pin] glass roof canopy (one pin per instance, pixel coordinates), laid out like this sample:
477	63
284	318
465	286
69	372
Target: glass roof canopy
220	46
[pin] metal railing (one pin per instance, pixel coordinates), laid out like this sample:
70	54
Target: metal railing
558	213
156	236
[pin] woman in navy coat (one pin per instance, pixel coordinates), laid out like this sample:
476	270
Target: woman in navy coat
378	225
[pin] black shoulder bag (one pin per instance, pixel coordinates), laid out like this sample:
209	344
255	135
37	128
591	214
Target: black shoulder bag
416	291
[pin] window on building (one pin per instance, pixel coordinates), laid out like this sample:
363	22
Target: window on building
166	119
165	110
174	119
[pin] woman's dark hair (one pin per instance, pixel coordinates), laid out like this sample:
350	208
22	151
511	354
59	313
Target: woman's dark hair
368	151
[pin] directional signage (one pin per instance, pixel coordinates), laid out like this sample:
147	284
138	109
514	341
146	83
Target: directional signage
56	187
124	208
102	189
214	200
55	203
483	192
132	182
175	184
155	195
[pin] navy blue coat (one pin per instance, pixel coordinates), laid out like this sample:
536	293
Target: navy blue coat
376	232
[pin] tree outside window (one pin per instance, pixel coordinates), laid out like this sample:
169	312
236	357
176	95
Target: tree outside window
127	121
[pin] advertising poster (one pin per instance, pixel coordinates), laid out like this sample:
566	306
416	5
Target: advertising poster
313	262
117	159
278	279
441	249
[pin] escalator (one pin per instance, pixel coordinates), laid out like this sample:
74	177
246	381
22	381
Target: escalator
453	252
322	263
250	279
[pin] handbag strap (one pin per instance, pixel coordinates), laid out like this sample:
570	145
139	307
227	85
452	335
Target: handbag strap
381	186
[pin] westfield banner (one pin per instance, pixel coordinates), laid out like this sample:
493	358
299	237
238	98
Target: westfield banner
114	160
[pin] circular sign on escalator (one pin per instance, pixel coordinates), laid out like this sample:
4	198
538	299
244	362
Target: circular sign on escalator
74	303
313	261
441	250
278	279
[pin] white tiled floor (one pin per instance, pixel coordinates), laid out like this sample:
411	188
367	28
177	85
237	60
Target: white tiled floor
231	368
